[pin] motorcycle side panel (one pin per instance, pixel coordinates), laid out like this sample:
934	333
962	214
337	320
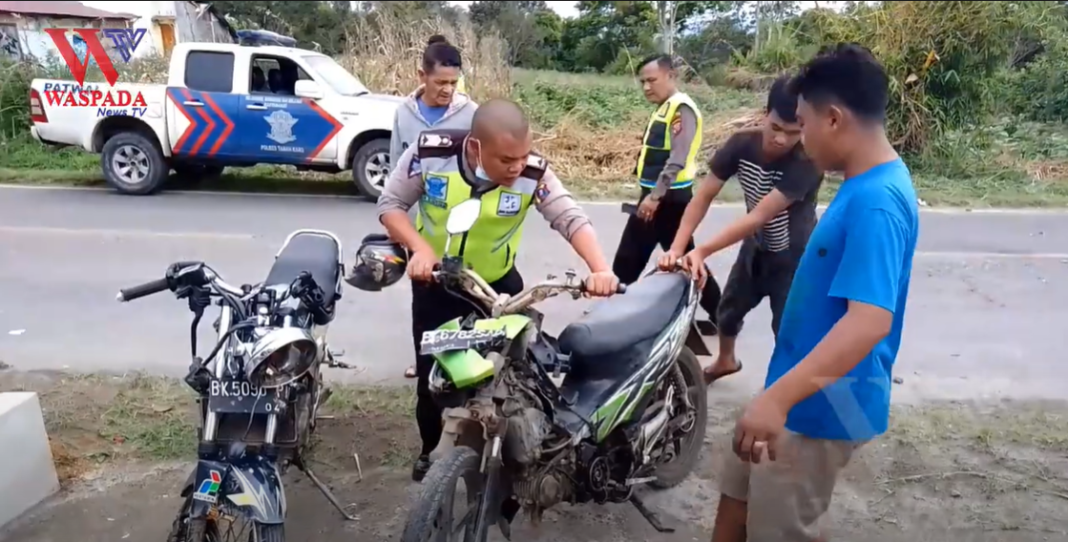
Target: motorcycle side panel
467	367
252	484
618	409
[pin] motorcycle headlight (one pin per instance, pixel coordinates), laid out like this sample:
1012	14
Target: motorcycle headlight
281	356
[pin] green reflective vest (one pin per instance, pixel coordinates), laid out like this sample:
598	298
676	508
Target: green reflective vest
656	145
490	247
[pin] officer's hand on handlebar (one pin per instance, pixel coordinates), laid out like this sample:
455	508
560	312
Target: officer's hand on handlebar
602	284
694	264
421	266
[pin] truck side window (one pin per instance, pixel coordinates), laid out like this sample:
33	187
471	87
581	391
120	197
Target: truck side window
274	75
209	71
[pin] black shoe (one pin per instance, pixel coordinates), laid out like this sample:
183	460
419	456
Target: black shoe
421	467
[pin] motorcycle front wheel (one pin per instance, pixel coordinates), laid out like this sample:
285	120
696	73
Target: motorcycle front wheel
434	518
186	529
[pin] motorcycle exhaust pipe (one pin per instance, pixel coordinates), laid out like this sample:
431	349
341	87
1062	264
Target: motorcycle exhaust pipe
652	430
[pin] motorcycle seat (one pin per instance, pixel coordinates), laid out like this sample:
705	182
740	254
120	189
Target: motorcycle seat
627	319
315	253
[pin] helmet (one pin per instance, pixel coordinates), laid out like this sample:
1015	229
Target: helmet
380	262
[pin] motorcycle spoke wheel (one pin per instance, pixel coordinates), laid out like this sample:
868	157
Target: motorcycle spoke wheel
447	509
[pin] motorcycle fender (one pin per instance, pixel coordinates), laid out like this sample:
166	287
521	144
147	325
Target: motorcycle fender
695	343
253	484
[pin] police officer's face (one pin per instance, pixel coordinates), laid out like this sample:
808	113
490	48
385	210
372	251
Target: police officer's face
779	136
439	85
503	156
658	84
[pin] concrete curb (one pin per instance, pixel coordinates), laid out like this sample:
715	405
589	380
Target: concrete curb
27	473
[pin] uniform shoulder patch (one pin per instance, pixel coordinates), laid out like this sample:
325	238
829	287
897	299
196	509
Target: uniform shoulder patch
537	161
430	140
676	123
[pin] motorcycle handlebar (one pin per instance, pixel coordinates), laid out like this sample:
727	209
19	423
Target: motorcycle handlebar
144	290
179	274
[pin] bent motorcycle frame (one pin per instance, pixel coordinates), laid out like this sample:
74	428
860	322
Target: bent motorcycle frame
476	424
252	483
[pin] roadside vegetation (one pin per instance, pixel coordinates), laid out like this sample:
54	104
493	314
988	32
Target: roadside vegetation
950	468
978	108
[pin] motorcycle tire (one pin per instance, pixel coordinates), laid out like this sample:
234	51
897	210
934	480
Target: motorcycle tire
203	530
434	509
674	472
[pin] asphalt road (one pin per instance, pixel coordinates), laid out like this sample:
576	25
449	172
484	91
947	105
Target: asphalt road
986	314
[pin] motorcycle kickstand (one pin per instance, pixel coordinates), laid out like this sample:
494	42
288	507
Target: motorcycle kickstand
325	491
649	515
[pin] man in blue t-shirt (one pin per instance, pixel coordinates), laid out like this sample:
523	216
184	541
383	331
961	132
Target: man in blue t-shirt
828	386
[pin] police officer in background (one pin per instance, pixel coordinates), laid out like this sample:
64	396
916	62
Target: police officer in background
666	170
494	162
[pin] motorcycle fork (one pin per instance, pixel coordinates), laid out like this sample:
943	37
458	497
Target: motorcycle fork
490	503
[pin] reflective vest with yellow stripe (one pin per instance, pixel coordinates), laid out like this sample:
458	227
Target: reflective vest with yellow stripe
490	247
656	145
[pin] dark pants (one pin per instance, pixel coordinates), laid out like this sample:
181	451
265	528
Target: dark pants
640	238
432	306
756	274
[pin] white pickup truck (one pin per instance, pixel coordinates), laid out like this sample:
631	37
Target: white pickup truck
224	105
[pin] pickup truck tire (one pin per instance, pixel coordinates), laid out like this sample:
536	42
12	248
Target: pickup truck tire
133	164
370	168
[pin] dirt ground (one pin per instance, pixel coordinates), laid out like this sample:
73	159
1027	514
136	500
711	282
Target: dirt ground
946	472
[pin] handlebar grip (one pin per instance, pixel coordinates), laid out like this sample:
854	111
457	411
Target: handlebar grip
143	290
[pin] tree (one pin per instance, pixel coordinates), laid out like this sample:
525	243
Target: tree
531	29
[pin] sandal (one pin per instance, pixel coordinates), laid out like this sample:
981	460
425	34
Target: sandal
410	372
711	376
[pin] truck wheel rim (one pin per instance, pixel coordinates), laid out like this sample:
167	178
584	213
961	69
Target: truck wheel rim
377	169
130	164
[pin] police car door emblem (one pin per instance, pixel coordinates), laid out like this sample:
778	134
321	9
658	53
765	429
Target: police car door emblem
281	126
509	204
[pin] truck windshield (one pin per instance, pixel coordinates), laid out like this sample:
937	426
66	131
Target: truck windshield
338	78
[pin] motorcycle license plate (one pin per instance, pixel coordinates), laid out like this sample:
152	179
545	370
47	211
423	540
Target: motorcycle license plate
237	397
450	340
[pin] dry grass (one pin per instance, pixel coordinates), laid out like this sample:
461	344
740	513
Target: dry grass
386	56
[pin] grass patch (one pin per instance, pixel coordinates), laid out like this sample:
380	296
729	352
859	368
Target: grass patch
94	419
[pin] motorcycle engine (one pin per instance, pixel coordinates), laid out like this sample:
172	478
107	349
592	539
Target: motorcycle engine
527	429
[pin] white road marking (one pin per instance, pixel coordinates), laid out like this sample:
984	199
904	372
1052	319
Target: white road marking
123	233
725	205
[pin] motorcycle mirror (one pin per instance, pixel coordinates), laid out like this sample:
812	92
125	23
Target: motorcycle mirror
463	217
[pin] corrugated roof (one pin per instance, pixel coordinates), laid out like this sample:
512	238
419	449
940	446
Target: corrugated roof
61	9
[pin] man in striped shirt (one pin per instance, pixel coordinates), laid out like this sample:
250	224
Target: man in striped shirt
780	185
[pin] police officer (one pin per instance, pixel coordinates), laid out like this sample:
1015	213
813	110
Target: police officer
493	162
667	166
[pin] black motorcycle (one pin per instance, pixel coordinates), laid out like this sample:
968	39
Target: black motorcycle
259	388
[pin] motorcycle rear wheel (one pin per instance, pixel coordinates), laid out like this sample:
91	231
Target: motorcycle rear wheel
672	473
434	511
